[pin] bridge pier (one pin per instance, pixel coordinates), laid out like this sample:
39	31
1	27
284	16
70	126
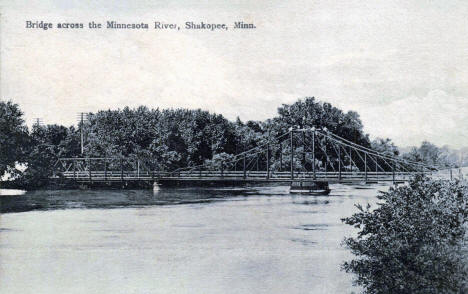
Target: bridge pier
309	187
155	187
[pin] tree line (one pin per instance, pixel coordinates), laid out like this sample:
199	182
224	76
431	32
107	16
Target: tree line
167	139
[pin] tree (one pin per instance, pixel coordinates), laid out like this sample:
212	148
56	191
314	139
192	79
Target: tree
385	146
220	161
430	154
308	113
412	242
13	136
48	143
170	139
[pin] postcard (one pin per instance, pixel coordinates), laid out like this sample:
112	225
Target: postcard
233	146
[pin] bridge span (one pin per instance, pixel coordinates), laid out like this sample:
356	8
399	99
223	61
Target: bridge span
297	155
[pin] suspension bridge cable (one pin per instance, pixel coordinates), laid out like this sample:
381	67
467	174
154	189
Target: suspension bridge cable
338	154
344	149
236	156
379	153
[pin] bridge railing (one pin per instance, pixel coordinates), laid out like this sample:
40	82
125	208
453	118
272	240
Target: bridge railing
236	175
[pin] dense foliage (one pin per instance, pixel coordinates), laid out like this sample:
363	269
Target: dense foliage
413	241
13	136
46	144
385	146
435	156
174	138
171	138
179	137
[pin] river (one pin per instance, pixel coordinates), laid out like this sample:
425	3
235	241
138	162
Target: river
253	240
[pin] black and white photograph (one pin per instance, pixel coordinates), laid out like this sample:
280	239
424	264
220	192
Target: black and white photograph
233	147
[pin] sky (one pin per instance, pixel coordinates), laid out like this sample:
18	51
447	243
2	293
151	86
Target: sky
402	65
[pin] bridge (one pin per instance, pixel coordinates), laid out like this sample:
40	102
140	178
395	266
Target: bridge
299	154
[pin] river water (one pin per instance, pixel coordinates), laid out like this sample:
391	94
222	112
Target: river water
252	240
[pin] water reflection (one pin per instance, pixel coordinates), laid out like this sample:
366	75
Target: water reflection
312	227
304	242
313	201
70	199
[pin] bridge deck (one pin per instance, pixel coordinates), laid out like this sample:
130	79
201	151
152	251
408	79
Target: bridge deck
234	176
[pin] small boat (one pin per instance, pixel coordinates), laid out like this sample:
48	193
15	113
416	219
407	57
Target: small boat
309	187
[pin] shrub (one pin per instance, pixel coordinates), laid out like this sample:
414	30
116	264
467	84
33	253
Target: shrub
412	242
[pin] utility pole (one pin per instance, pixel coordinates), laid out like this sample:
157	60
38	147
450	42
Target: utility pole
81	118
38	122
81	131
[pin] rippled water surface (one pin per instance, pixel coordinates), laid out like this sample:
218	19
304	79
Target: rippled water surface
255	240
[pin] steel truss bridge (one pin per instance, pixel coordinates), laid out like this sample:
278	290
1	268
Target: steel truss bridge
299	154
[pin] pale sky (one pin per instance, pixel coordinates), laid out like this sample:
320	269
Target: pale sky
402	65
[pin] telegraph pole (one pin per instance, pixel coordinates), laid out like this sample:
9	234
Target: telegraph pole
81	118
38	122
82	135
81	131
